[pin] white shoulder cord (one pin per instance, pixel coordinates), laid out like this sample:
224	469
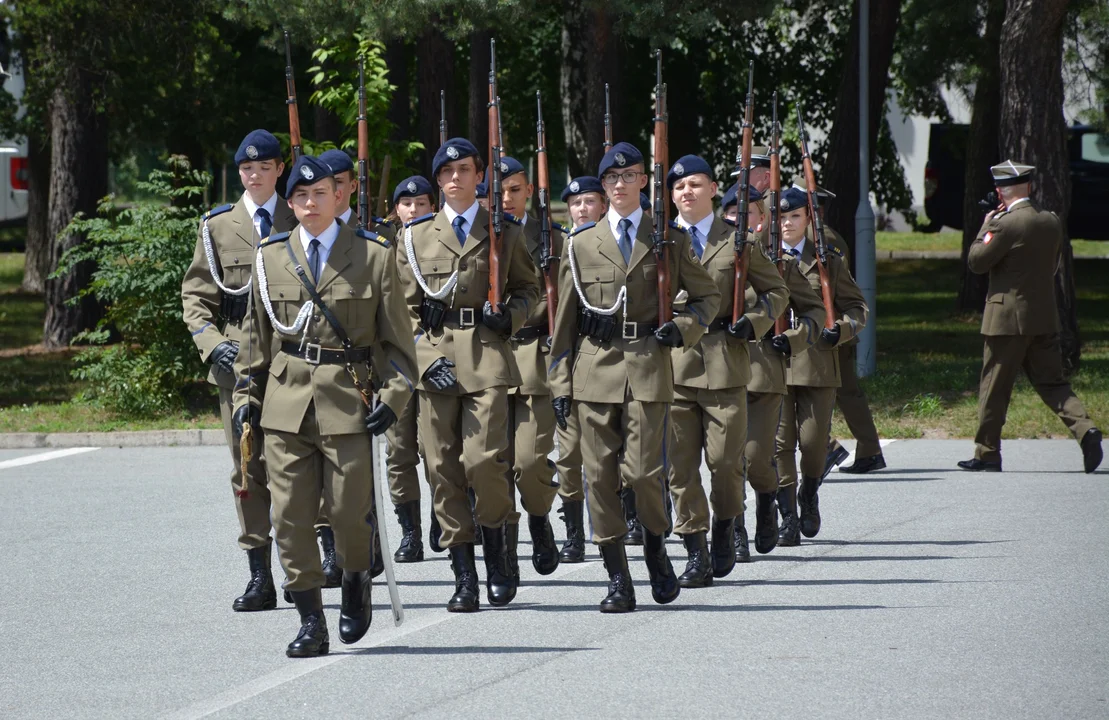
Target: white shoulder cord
621	297
211	257
447	287
301	322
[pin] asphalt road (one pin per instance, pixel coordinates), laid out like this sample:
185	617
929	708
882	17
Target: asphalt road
929	593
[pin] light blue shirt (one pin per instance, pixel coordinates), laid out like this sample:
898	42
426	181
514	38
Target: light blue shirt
467	217
614	219
270	206
327	240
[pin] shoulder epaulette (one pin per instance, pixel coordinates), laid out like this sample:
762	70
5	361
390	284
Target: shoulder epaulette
560	228
275	238
728	221
371	236
834	250
513	219
380	220
580	228
417	221
676	226
218	211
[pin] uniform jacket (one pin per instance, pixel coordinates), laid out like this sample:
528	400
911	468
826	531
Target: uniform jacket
592	371
233	242
1020	251
532	354
359	284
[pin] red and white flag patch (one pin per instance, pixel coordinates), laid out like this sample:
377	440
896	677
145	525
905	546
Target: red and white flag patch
986	238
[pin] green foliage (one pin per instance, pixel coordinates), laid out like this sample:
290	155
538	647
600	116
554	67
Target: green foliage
1086	58
140	254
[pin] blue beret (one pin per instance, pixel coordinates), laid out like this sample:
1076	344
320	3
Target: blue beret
731	196
451	150
793	198
619	156
510	166
482	190
644	201
414	186
258	145
308	170
338	160
687	165
581	185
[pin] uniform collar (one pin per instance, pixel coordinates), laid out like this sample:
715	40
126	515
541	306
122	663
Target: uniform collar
344	217
1016	202
252	209
704	227
327	238
469	215
800	247
614	219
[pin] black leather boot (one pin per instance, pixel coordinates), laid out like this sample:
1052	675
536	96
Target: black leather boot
312	640
789	534
500	585
836	455
766	523
573	550
378	565
742	544
723	546
465	598
356	612
698	569
411	548
434	533
260	593
621	592
332	573
511	541
664	583
473	514
810	506
635	530
544	552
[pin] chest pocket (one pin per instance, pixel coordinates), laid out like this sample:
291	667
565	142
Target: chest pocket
235	266
286	298
353	303
599	284
436	270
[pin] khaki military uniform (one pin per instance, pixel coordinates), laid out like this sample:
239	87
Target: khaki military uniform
1020	250
464	430
233	239
814	375
622	389
710	395
316	444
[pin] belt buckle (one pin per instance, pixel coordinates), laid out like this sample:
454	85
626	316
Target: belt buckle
466	317
312	353
633	334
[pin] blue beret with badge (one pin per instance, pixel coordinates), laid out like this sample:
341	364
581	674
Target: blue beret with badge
451	150
337	160
308	170
731	196
414	186
258	145
582	185
510	166
793	198
619	157
685	166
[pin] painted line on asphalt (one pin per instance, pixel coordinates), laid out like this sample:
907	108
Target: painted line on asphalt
43	457
851	456
299	668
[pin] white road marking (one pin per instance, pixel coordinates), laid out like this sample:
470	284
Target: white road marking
43	457
851	456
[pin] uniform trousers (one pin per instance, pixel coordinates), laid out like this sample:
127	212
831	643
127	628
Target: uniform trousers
531	421
806	422
569	460
254	509
764	413
402	456
852	404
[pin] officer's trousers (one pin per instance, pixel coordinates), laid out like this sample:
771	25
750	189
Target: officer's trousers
764	413
254	509
852	404
806	422
402	457
532	427
569	460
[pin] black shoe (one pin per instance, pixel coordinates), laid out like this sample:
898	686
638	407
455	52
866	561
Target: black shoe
723	547
500	585
544	551
378	565
635	530
740	543
411	548
260	594
976	465
836	455
332	573
465	598
698	568
621	592
288	597
511	541
312	640
809	500
664	583
434	533
1091	450
473	514
356	613
865	465
573	550
766	523
789	534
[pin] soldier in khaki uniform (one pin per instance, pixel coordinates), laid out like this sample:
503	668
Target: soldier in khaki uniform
710	396
467	368
214	296
1018	245
328	317
812	378
611	363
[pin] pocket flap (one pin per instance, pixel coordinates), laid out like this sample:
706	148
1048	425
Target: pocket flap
602	273
436	265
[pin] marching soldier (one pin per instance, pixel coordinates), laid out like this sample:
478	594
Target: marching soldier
214	296
328	317
616	373
760	168
812	378
346	179
467	368
710	378
1018	245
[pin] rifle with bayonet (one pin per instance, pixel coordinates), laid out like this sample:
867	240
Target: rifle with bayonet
442	133
291	101
660	207
817	227
363	151
742	247
774	194
608	122
547	256
496	202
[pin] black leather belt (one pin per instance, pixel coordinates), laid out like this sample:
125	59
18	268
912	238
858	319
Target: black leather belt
313	354
462	318
531	332
636	331
720	324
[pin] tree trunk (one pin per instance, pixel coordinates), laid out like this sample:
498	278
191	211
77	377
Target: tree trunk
478	128
36	261
591	57
1033	130
78	179
981	153
435	72
840	172
397	55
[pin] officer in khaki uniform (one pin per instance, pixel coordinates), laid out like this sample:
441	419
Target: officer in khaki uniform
214	297
709	412
812	378
467	367
611	363
329	320
1018	245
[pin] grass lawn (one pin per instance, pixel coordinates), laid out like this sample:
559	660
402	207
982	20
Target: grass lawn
953	242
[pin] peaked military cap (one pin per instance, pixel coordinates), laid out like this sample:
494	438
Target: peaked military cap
414	186
308	170
337	160
620	156
582	185
760	156
451	150
685	166
510	166
258	145
1011	173
801	184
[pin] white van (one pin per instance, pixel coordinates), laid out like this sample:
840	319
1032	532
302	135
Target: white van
13	160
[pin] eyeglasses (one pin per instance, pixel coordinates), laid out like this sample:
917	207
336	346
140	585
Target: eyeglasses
628	176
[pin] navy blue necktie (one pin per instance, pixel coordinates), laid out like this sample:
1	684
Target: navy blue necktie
265	223
314	259
794	252
697	240
457	223
625	240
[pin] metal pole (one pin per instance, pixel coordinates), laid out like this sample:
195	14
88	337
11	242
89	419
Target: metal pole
864	214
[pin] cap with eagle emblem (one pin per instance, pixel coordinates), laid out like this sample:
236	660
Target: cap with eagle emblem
307	171
413	186
258	145
1011	173
582	185
453	149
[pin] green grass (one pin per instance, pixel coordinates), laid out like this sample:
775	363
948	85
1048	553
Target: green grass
952	242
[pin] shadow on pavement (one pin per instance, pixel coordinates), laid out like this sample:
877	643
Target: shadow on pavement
461	650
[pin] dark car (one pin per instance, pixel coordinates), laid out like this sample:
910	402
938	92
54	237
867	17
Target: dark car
1087	149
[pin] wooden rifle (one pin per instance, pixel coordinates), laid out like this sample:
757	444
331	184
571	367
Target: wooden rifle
817	227
291	101
496	202
547	255
742	248
660	208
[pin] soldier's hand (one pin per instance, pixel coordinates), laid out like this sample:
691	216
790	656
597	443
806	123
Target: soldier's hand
780	343
223	356
246	415
743	329
830	336
439	375
498	321
380	418
669	335
561	407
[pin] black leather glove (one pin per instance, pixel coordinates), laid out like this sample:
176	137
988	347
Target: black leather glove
380	418
669	335
439	375
742	329
830	336
246	415
223	356
499	322
561	407
780	343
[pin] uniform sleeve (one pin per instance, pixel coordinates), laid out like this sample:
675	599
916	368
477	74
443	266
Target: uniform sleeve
849	302
564	333
773	295
808	308
991	245
200	298
522	284
704	295
393	355
252	364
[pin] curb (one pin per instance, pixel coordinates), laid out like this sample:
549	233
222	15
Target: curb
150	438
